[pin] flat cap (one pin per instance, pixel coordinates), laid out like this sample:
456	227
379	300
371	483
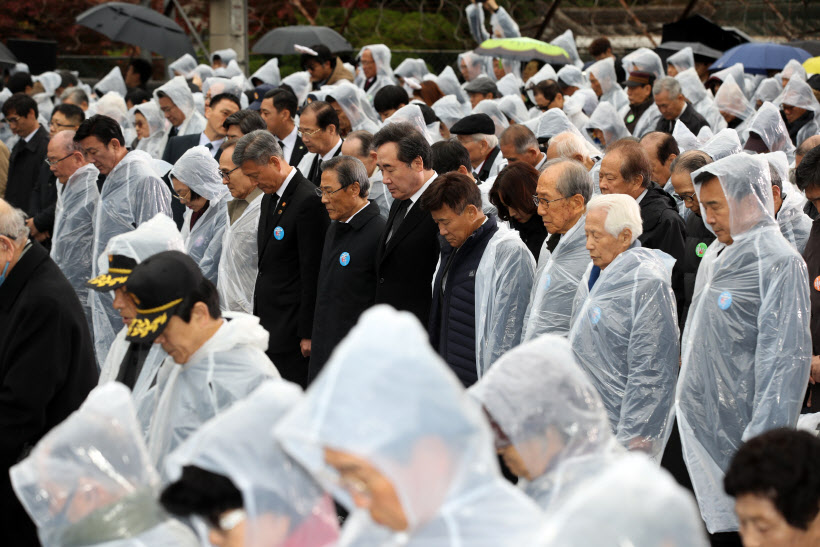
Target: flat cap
482	84
474	124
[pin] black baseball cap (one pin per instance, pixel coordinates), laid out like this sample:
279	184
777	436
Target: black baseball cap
474	124
119	268
160	286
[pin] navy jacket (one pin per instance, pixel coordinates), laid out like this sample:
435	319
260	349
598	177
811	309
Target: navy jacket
452	317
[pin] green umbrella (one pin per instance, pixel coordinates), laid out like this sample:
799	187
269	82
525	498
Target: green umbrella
523	49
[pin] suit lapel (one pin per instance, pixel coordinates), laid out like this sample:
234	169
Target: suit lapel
283	205
414	216
264	233
299	151
488	164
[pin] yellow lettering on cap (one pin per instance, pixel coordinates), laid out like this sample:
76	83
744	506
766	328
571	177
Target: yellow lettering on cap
143	327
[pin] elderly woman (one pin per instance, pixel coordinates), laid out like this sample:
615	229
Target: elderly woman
198	185
149	124
624	327
512	194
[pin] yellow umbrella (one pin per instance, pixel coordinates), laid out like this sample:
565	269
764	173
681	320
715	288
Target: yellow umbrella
812	65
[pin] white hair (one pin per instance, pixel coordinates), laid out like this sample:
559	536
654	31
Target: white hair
568	145
13	223
491	140
622	212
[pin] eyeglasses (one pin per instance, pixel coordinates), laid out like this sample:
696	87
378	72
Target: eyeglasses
321	193
685	197
55	124
12	119
538	201
52	163
180	197
354	486
227	521
226	175
308	132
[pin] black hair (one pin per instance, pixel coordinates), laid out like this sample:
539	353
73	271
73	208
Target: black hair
634	161
548	88
454	190
390	97
143	68
67	79
215	100
515	186
410	143
247	120
781	466
202	493
137	96
102	127
283	99
21	104
808	172
19	82
599	46
325	115
428	113
365	139
205	292
72	112
324	56
449	155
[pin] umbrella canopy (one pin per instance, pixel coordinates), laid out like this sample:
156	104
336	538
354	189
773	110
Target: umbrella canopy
704	31
280	41
758	58
698	50
7	58
138	26
523	49
812	65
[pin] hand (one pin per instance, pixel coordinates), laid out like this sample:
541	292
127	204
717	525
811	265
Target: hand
815	369
32	228
304	345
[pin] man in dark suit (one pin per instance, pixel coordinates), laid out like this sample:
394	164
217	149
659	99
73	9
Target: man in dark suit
278	108
292	226
347	278
27	158
319	127
409	248
47	362
673	106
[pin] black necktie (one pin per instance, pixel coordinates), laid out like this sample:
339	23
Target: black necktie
399	218
173	132
209	146
282	146
316	171
552	242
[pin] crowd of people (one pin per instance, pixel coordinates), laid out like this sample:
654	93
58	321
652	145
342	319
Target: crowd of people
356	304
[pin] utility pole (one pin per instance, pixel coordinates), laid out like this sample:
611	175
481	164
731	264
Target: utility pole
229	28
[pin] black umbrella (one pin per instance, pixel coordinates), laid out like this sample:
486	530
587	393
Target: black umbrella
698	50
280	41
138	26
700	29
7	58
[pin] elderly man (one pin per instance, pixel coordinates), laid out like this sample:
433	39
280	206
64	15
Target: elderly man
641	115
472	322
278	108
131	195
518	143
562	193
212	361
409	248
746	350
319	127
292	226
75	96
661	149
359	144
72	240
375	71
46	351
477	133
415	426
571	146
480	89
177	104
673	107
324	67
347	277
238	265
625	326
27	155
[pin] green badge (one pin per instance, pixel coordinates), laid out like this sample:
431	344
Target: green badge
630	118
700	250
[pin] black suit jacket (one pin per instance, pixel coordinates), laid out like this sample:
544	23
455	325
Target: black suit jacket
47	368
690	118
298	152
405	265
174	150
26	166
290	239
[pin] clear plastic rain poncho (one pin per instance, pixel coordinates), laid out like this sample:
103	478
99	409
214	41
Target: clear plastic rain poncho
513	108
156	125
411	114
232	69
767	90
113	105
51	81
113	81
216	85
387	397
553	122
606	119
574	109
644	60
503	25
199	171
447	82
724	143
556	280
588	99
503	282
746	349
682	60
204	72
226	55
546	72
604	72
132	194
731	100
72	238
566	40
701	99
180	94
284	505
184	66
736	71
90	481
625	336
238	265
449	110
476	66
384	73
685	139
155	236
632	503
229	366
793	69
268	73
411	68
356	105
794	224
510	84
571	75
299	82
494	112
798	93
769	125
547	407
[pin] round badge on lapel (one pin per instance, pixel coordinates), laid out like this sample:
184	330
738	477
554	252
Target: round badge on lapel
725	300
817	283
279	233
344	258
